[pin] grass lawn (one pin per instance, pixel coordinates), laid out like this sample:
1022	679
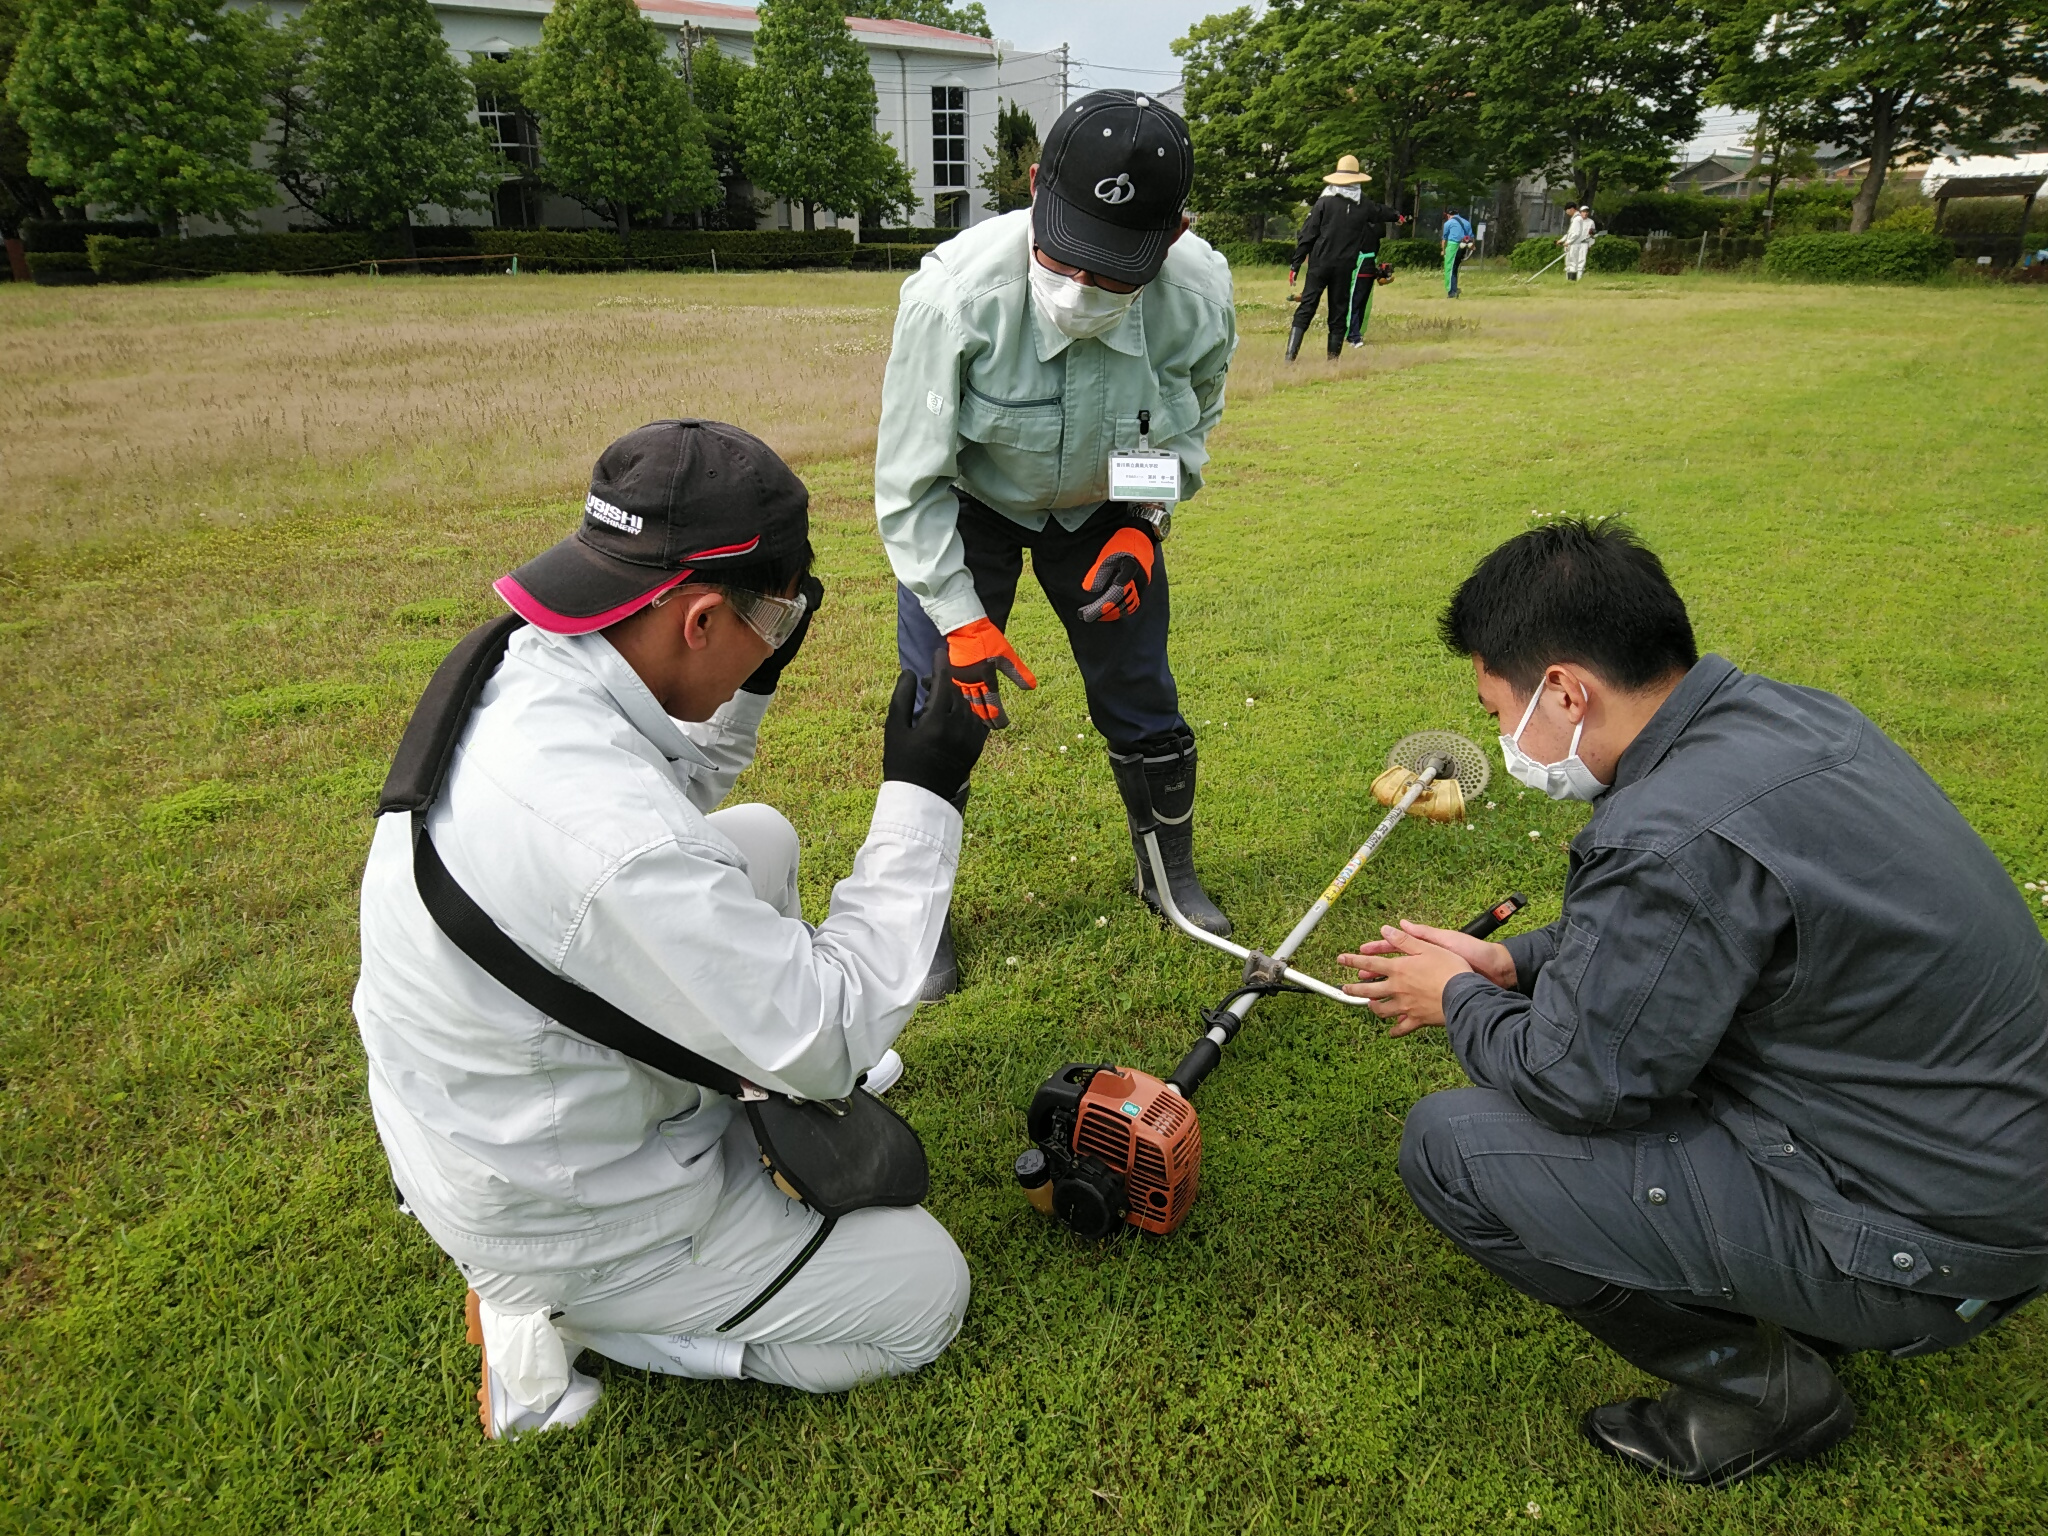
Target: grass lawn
244	519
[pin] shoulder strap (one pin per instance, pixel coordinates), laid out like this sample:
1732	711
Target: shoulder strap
552	993
420	766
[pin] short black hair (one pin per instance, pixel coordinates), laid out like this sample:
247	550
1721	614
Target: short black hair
1582	590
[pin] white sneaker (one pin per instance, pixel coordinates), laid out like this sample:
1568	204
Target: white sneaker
504	1419
884	1074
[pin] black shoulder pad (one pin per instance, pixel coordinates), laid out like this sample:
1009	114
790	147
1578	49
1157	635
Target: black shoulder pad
420	767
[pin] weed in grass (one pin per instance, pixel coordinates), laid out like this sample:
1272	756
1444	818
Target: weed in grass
217	1318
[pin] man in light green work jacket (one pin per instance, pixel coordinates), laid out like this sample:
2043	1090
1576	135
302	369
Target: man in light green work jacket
1053	381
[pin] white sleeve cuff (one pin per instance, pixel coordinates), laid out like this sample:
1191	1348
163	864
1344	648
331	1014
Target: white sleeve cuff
913	813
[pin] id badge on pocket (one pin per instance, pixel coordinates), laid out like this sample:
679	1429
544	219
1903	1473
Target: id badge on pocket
1144	475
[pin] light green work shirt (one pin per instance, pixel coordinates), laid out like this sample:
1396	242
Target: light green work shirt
984	395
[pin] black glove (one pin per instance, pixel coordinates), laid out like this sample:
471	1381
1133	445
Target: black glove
937	750
768	675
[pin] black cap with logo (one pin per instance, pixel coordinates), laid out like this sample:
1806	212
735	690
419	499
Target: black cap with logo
1113	179
668	501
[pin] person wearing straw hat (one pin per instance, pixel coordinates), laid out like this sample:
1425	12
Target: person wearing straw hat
1337	243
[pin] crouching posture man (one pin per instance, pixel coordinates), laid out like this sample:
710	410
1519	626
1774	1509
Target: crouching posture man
590	1200
1775	1086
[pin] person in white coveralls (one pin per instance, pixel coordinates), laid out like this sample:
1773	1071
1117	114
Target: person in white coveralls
590	1201
1577	240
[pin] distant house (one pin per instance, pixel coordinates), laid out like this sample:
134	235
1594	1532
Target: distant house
1718	175
936	97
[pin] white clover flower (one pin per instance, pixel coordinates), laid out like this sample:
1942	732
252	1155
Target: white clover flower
1534	833
1011	961
1533	1510
1063	749
1073	858
1249	701
1102	922
2032	887
1493	805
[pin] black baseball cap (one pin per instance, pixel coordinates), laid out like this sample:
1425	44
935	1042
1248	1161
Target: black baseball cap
668	501
1113	179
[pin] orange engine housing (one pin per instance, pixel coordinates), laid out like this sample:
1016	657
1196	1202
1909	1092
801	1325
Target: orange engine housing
1134	1123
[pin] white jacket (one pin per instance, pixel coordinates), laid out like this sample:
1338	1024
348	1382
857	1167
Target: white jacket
1580	231
574	815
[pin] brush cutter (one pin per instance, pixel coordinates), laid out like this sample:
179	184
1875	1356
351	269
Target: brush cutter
1115	1147
1525	282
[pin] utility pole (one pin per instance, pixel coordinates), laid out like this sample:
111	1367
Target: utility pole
1066	59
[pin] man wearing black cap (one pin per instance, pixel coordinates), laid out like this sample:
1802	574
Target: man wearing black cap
1052	384
590	1201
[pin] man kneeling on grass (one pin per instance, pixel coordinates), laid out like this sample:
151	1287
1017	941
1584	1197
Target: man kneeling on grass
1775	1086
564	838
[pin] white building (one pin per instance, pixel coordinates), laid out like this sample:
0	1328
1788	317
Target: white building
936	94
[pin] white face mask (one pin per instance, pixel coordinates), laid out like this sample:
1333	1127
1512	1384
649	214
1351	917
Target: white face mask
1079	310
1570	779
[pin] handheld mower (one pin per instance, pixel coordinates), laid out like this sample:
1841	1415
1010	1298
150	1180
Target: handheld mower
1113	1146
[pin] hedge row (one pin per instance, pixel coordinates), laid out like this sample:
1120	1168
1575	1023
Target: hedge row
889	256
1884	257
1401	255
71	234
921	235
138	260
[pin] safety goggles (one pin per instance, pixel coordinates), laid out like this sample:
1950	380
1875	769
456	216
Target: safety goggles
774	619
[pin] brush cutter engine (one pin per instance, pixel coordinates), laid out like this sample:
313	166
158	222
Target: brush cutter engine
1114	1147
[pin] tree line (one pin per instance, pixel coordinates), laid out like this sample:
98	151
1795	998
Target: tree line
356	115
1461	96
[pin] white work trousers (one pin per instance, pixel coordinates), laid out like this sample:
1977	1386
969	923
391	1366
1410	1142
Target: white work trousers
1575	256
882	1297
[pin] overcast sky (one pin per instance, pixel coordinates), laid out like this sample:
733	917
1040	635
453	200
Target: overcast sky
1115	42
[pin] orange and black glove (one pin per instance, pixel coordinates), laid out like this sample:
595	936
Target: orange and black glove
974	654
1116	582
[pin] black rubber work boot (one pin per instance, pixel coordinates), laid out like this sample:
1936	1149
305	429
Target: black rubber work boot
1745	1395
1294	341
1336	345
1158	785
943	979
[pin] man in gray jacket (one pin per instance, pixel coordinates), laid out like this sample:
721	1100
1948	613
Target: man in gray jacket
1775	1085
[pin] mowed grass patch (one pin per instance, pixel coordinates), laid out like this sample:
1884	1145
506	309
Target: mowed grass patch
218	1319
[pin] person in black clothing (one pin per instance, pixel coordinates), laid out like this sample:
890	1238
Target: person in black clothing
1341	230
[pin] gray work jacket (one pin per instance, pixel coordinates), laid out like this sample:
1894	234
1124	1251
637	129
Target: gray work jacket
1777	911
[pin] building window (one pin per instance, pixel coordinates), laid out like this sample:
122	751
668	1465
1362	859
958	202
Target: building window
949	136
511	129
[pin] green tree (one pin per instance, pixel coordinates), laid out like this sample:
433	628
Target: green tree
1896	81
150	104
809	115
1394	82
1007	178
617	129
387	130
23	194
1597	90
285	57
971	19
1245	172
718	84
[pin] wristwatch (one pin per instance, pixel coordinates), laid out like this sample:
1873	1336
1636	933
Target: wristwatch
1155	515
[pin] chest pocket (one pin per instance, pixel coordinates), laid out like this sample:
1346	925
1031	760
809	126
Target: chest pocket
1554	1019
1010	449
1175	414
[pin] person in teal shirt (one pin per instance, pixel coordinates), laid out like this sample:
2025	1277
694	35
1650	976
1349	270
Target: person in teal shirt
1028	351
1457	242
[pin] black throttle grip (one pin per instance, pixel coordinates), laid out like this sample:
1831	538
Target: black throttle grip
1502	911
1199	1062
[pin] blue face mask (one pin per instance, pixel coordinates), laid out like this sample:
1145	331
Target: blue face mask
1569	779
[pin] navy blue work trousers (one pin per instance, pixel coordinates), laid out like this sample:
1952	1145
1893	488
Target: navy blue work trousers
1132	696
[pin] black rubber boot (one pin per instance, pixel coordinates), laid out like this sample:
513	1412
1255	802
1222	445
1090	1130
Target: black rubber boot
1745	1395
1158	785
1294	341
943	979
1336	345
